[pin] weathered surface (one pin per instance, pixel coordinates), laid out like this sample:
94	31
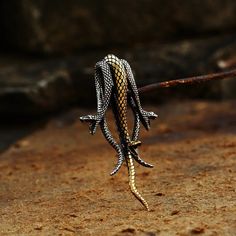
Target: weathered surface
63	26
44	86
56	180
36	88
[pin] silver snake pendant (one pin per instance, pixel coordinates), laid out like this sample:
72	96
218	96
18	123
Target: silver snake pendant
115	86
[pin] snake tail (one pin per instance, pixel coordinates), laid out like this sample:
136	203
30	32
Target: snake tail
132	184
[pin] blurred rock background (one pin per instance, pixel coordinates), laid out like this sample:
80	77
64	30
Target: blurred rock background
49	48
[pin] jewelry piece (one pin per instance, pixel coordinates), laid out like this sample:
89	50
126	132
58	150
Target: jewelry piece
115	85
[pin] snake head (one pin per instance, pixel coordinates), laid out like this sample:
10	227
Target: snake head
152	115
147	116
93	122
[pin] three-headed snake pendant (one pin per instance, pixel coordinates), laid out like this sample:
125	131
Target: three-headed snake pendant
115	86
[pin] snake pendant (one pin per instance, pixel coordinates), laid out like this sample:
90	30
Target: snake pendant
115	86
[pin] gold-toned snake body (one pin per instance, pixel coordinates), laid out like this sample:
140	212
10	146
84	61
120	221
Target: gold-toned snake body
121	88
115	84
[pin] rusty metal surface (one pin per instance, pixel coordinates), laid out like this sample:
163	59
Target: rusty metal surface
55	179
189	81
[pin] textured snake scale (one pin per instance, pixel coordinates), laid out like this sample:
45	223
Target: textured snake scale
115	86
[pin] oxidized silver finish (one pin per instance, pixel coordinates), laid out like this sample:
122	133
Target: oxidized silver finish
115	86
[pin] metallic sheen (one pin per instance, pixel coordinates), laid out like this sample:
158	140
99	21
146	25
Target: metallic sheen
115	86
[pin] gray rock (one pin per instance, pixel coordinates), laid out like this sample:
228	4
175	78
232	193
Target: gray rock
46	86
35	89
65	26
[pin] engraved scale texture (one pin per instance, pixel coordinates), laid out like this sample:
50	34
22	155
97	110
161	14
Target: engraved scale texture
115	86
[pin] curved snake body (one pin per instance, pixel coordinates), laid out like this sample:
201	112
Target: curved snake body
115	85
